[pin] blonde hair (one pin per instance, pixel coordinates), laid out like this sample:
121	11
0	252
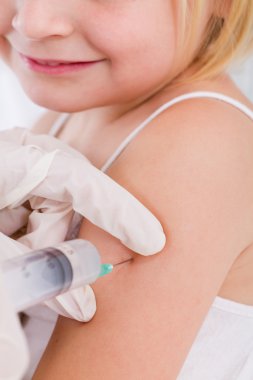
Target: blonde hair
228	36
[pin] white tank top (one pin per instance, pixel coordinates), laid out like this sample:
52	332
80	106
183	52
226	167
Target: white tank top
223	348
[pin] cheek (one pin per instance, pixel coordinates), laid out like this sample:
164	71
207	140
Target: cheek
6	15
139	49
7	12
141	59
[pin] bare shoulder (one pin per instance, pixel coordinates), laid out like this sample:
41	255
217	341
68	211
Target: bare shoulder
192	167
195	121
198	148
44	123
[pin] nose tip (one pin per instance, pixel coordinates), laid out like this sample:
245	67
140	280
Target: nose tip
16	25
35	29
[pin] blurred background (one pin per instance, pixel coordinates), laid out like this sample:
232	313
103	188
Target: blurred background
17	110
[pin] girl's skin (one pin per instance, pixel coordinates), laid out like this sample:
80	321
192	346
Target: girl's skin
189	167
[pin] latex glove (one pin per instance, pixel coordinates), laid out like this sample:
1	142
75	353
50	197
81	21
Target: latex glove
63	179
56	180
14	352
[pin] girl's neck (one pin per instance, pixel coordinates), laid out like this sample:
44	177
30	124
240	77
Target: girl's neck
98	132
102	117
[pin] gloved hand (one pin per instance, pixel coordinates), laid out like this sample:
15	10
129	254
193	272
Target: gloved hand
14	352
56	180
64	179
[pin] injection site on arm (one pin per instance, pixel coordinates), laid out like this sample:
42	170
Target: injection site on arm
150	311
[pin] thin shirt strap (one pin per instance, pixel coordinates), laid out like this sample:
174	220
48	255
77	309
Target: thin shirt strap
192	95
77	220
58	124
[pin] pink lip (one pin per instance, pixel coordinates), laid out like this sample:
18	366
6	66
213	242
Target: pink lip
61	68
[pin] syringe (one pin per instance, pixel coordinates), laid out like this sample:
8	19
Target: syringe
37	276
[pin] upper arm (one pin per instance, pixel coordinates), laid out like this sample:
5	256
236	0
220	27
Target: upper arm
196	182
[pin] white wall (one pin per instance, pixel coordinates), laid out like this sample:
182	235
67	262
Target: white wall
243	76
17	109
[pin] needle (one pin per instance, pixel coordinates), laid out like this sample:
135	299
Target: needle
122	262
107	268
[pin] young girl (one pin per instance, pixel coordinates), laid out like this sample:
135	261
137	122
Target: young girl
153	71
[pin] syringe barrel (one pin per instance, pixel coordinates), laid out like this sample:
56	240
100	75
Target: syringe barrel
43	274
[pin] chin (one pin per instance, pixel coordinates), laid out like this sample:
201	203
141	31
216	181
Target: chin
68	103
63	102
58	106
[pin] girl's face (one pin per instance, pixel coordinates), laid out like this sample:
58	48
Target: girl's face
131	41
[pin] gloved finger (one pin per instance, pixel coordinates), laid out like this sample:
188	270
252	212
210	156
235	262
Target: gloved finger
22	168
27	164
79	304
24	136
104	202
14	351
11	248
48	223
12	220
62	177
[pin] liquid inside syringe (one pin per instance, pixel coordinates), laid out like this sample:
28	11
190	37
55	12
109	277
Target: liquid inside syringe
40	275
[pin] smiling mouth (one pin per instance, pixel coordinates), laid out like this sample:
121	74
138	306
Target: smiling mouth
53	63
55	67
